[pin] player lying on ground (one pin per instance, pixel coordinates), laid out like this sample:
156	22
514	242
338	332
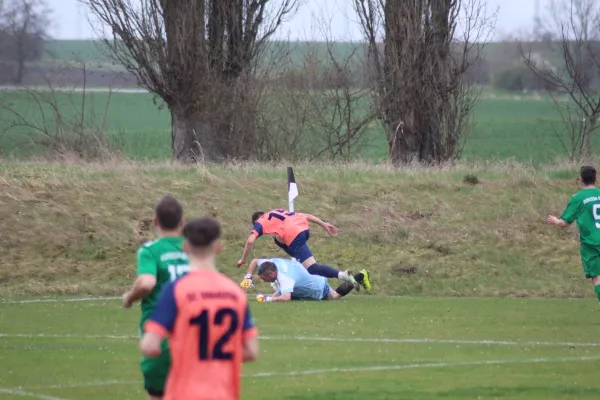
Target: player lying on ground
248	283
209	324
291	233
158	262
293	282
584	207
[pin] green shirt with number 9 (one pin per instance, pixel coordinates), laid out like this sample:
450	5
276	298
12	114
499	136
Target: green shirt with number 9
584	207
165	259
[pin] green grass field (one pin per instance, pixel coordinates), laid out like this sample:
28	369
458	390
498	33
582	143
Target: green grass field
359	348
504	128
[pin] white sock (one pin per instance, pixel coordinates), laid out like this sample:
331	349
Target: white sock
343	275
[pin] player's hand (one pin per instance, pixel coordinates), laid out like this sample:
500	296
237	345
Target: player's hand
261	298
332	230
247	282
126	302
240	263
552	220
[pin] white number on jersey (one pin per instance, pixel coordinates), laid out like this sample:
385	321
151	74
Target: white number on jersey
177	271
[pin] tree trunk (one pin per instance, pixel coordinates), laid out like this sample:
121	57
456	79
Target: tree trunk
404	141
194	138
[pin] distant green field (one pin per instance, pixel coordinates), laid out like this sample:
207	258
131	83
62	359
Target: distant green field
504	128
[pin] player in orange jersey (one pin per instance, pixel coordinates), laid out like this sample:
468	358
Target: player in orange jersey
208	321
291	233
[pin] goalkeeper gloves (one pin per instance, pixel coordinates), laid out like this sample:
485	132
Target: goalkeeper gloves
261	298
247	282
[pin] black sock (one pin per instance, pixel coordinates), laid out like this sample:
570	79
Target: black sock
323	270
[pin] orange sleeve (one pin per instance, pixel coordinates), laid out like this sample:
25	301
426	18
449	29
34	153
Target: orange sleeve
153	327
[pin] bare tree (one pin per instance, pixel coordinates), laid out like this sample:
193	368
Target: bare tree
421	88
198	56
571	65
23	30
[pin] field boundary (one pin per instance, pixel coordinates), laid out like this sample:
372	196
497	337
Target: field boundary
480	342
366	368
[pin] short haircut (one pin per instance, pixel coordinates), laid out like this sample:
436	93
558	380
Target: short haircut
169	212
266	267
202	232
588	175
256	216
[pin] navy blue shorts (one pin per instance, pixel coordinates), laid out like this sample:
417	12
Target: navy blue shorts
298	248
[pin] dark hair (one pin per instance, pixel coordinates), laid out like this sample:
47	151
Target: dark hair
588	175
256	216
169	212
266	267
202	232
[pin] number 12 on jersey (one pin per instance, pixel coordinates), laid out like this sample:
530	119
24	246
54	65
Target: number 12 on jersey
223	316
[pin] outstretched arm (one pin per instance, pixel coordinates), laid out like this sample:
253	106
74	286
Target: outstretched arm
552	220
247	249
252	267
332	230
282	297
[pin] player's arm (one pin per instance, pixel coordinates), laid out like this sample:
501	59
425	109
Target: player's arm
282	297
552	220
570	214
250	338
247	282
332	230
286	287
161	322
146	279
255	234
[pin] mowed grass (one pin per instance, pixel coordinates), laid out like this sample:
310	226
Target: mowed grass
503	128
358	348
73	229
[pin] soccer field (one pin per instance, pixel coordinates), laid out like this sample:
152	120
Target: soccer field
366	347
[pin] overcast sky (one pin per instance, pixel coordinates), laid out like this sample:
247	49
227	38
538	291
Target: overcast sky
70	21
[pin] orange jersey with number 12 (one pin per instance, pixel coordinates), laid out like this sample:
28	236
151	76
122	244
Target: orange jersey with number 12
207	318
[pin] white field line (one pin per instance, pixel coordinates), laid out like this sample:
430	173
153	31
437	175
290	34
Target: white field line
373	368
107	298
19	392
59	300
485	342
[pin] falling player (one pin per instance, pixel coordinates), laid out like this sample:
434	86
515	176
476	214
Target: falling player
584	207
293	282
158	262
209	324
291	233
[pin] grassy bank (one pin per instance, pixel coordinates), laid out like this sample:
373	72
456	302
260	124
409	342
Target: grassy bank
73	229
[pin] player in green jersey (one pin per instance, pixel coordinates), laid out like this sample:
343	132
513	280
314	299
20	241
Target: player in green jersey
158	262
584	207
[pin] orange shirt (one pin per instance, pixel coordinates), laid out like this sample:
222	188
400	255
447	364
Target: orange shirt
207	318
281	223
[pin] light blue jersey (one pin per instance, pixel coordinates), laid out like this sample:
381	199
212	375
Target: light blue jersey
293	278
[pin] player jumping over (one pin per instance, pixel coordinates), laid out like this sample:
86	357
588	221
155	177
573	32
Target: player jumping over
584	207
291	233
158	263
209	324
293	281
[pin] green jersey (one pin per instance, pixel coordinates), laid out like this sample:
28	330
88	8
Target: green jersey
584	207
164	258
